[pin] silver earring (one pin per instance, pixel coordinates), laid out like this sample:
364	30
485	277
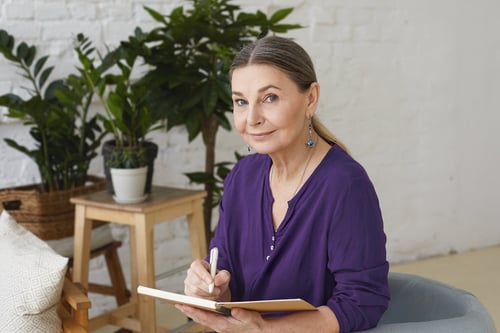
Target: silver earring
310	142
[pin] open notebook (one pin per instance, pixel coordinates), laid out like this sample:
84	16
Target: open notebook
275	305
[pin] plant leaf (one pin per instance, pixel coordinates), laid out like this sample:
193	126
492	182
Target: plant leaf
22	51
280	14
39	65
30	57
45	75
155	15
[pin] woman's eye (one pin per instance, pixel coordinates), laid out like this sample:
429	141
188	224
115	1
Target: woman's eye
240	102
270	98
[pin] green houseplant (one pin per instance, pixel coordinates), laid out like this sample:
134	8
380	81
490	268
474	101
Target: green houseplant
189	55
127	114
66	136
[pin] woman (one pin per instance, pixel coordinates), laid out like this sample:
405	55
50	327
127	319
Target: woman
298	219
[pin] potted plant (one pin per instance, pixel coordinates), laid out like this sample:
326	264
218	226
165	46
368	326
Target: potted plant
127	114
66	139
128	168
189	55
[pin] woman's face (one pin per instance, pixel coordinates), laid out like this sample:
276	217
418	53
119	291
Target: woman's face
269	110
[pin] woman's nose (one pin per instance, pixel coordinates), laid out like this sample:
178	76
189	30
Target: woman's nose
254	116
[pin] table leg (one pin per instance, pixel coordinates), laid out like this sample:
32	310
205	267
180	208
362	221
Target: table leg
197	238
81	250
133	262
144	243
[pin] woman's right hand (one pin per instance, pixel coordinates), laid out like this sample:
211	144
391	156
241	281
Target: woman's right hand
198	279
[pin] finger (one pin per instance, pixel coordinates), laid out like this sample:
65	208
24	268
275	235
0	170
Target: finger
199	267
206	318
221	285
250	318
197	279
194	276
196	287
221	281
222	277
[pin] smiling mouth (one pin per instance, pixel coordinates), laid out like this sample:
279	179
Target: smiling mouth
259	135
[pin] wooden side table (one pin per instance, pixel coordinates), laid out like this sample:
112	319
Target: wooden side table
162	205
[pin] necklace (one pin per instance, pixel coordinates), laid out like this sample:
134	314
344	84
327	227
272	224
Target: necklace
301	177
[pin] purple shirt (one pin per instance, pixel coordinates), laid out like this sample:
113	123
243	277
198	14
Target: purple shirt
328	250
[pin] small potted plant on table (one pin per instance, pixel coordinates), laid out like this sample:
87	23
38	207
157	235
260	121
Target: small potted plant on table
128	169
127	116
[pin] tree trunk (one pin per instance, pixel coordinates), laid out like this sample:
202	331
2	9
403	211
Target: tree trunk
209	132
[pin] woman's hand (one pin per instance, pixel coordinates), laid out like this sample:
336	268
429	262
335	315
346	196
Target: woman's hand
198	279
244	321
241	321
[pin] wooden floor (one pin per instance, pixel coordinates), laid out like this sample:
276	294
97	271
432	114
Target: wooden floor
476	271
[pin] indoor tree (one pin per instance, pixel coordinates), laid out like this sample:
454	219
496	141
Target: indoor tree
189	56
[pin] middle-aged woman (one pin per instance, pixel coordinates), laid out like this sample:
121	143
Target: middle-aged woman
300	217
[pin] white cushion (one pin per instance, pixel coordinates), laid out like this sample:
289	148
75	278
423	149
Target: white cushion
101	236
31	279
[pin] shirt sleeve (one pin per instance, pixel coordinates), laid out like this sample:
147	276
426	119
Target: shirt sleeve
357	258
219	240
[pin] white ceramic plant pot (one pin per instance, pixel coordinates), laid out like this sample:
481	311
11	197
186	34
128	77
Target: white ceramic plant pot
129	185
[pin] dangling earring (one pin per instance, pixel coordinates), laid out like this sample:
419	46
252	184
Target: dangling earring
310	142
248	148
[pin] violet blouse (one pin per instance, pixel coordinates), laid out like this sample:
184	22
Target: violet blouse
329	249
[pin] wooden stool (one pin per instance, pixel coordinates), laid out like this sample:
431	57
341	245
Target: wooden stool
118	287
162	205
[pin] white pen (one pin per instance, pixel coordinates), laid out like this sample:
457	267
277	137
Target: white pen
214	254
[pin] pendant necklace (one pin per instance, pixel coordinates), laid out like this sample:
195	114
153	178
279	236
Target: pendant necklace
301	177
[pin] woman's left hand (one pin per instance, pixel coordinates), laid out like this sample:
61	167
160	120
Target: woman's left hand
241	321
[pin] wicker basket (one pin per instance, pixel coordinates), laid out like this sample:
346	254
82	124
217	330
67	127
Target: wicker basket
49	215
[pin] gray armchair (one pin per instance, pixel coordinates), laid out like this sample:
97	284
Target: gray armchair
423	305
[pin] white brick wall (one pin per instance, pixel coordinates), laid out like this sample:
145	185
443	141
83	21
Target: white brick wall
411	86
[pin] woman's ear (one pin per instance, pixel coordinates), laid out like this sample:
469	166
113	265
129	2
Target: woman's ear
312	97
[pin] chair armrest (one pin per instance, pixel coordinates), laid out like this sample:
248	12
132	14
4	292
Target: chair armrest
74	295
74	308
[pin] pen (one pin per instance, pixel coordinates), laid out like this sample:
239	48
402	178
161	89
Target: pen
214	254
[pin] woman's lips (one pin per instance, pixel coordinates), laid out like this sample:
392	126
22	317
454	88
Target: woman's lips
260	136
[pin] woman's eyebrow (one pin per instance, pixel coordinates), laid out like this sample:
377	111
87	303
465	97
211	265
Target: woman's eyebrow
269	86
